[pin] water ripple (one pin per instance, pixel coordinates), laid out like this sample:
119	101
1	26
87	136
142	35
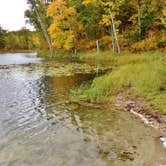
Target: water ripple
35	131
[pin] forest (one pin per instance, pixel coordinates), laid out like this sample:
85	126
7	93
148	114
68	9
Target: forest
134	25
22	40
92	25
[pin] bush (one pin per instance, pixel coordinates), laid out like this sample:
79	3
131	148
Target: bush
147	44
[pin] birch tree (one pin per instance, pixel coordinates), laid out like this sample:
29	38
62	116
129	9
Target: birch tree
37	17
108	18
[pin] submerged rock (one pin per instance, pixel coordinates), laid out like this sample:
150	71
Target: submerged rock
163	139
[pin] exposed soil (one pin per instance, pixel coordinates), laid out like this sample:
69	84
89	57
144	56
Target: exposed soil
141	109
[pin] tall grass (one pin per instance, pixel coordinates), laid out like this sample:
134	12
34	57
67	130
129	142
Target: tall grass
144	74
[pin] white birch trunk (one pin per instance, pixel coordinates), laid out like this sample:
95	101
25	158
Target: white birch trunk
45	33
97	46
114	32
139	19
113	40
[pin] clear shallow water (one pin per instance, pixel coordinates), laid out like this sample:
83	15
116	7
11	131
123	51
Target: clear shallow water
37	131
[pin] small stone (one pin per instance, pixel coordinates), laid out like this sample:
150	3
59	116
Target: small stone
112	156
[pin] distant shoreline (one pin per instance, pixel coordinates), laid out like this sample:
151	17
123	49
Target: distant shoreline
17	51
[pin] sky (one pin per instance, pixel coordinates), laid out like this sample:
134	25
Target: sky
12	14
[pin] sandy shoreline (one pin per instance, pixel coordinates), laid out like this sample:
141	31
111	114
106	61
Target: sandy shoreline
140	109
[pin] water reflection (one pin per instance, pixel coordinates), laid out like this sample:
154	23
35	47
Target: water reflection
19	58
35	130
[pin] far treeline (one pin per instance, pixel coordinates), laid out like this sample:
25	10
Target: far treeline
83	25
22	39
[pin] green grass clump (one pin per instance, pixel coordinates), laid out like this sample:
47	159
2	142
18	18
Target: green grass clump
145	77
142	78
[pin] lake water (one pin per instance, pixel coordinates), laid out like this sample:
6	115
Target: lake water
39	128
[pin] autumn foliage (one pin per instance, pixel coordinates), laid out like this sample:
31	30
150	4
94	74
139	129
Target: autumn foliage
138	24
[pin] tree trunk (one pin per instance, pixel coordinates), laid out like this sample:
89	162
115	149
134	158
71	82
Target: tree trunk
97	46
45	33
113	40
139	19
114	33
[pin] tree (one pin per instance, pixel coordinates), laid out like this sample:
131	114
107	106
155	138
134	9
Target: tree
100	24
2	38
37	17
89	14
65	27
110	9
145	15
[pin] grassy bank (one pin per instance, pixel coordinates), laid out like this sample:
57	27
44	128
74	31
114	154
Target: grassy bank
56	55
140	74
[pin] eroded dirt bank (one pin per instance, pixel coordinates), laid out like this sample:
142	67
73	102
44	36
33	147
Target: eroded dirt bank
140	108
